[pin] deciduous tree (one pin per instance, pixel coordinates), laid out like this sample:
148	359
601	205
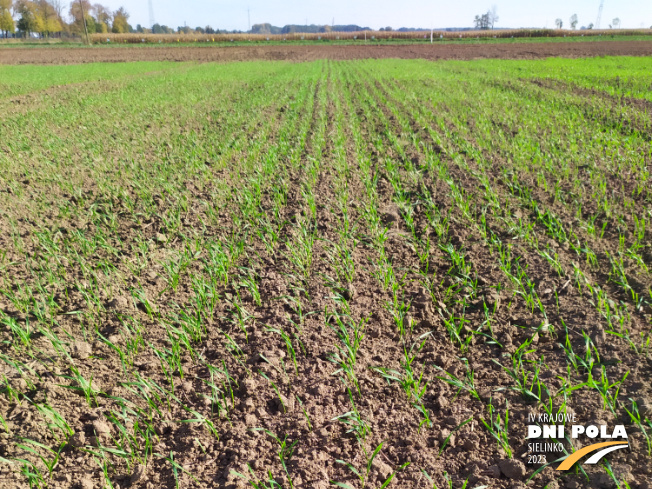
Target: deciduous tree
29	22
57	5
493	16
7	24
482	21
76	9
101	13
120	24
487	20
573	21
47	17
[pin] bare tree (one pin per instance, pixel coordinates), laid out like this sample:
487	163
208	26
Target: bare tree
573	21
482	21
616	23
58	7
559	23
493	15
488	20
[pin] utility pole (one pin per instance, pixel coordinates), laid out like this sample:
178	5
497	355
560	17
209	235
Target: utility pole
84	21
249	18
597	22
151	15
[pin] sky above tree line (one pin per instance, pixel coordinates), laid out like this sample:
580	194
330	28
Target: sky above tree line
232	14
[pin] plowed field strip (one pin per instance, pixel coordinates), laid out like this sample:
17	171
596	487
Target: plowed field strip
311	53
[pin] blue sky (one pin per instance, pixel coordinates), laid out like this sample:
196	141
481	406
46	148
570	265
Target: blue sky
232	14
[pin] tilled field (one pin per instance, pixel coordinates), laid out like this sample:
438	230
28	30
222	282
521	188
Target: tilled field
518	50
329	274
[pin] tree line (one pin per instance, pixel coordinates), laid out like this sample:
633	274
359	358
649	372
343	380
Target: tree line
266	28
52	18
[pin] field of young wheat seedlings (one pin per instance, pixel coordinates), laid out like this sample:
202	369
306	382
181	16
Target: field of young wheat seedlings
329	274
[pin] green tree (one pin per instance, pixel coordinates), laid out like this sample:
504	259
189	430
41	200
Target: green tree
37	16
47	18
6	20
265	28
120	24
6	23
91	25
28	21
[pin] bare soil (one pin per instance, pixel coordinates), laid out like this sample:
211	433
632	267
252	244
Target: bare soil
310	53
313	383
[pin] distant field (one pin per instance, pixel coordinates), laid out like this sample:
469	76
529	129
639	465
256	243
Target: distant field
367	36
325	274
373	38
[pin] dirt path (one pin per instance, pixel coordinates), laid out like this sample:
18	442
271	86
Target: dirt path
309	53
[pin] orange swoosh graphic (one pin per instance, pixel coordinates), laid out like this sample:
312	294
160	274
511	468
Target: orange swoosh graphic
571	459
